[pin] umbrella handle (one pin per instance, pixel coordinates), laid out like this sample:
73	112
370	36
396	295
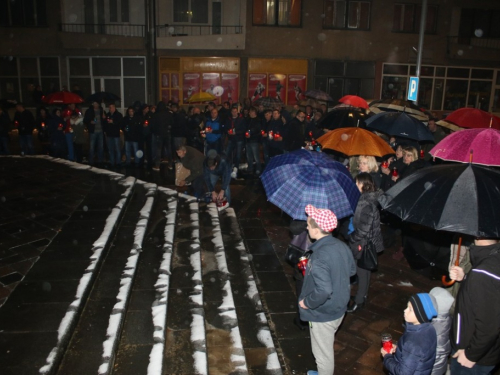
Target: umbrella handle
444	279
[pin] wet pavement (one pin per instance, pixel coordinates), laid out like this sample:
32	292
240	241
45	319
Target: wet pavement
51	214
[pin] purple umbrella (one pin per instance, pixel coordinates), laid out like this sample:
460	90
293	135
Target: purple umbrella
483	143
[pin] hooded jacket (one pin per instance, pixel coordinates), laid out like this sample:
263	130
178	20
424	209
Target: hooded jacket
415	353
476	324
326	288
366	222
442	301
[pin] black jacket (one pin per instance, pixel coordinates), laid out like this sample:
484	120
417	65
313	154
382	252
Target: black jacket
366	223
113	129
25	122
162	121
132	128
254	126
5	126
179	125
236	128
476	325
90	115
294	136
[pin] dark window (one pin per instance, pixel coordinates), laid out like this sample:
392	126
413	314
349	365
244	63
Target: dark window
49	66
191	11
8	66
347	14
479	23
396	69
125	11
113	10
79	67
407	18
277	12
106	67
23	13
133	67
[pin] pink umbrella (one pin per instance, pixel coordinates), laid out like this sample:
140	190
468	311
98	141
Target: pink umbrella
483	144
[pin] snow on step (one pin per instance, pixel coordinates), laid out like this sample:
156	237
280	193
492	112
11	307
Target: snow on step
117	315
159	308
227	308
198	336
84	284
263	332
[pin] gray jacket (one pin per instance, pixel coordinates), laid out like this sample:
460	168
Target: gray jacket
326	288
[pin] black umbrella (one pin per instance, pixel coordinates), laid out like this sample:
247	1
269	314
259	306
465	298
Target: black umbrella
268	102
398	105
7	103
102	96
400	124
460	198
344	117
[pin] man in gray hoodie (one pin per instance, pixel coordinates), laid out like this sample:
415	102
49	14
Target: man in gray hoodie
442	301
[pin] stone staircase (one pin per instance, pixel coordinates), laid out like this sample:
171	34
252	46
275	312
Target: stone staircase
142	281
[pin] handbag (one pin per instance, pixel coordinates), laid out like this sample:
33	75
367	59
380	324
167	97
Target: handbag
368	259
293	254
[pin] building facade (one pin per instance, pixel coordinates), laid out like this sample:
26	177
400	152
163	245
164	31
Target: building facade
153	50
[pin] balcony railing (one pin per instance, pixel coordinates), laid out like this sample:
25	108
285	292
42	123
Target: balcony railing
475	42
107	29
197	30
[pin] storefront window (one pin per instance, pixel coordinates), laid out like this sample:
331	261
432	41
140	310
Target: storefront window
455	94
437	99
479	95
394	87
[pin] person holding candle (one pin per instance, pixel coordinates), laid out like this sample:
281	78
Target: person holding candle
416	350
253	136
325	292
275	134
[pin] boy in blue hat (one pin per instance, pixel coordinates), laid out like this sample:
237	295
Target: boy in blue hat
416	350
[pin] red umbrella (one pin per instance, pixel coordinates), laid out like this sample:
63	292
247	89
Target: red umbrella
473	118
354	101
62	97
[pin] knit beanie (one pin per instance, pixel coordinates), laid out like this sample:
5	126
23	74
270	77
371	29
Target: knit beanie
422	307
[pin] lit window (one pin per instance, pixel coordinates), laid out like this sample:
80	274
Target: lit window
347	14
277	12
407	18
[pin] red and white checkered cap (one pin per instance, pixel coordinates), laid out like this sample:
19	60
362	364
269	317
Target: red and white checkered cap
325	219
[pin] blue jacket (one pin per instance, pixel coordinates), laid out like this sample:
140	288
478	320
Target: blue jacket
215	135
416	351
326	288
223	170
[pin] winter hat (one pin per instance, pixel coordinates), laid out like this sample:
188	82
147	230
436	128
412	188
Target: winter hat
326	219
443	299
212	154
422	307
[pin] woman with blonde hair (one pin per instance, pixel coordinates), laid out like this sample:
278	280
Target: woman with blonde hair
412	162
368	164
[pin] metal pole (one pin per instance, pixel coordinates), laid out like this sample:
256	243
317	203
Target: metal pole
423	16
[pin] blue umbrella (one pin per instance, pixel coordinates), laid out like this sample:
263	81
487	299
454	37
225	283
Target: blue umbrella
400	124
296	179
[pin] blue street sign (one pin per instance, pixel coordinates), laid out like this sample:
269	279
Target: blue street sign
413	89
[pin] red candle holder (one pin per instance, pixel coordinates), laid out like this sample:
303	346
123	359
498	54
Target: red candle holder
386	342
395	172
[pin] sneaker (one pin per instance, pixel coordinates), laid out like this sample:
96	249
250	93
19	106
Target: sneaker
157	169
353	306
234	173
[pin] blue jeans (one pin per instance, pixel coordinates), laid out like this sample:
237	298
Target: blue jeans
26	143
253	154
115	155
96	138
69	145
4	146
129	146
227	193
233	152
457	369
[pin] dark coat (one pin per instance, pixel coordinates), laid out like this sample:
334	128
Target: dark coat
162	121
254	127
326	288
238	127
415	353
25	122
366	223
113	129
132	128
412	167
56	132
277	127
477	308
179	126
216	126
294	136
90	115
5	126
193	160
223	170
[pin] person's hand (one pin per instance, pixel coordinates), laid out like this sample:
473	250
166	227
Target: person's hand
301	304
182	182
264	135
221	194
457	273
394	178
214	196
110	120
279	139
462	359
385	171
383	352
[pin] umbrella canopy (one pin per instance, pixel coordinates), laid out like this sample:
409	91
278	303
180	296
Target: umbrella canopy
62	97
102	96
473	118
398	105
400	124
268	102
344	117
461	198
449	125
355	141
355	101
484	143
318	95
294	180
200	97
312	102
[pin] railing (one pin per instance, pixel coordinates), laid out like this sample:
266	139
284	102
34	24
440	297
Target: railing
107	29
475	42
197	30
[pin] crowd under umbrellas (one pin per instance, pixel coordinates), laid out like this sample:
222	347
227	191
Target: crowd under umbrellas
456	193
